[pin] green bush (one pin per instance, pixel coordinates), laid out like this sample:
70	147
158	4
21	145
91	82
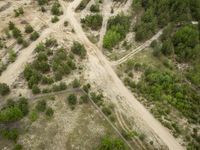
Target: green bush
33	116
35	89
11	25
94	8
18	147
78	49
28	28
62	86
107	111
93	21
4	89
75	83
117	29
16	32
23	105
10	114
41	105
72	99
85	98
10	134
55	10
54	19
42	2
108	143
34	36
49	112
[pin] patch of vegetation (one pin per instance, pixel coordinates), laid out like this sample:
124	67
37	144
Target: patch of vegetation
117	29
49	58
4	89
107	143
19	11
29	28
78	49
34	36
93	21
49	112
72	99
41	106
10	134
33	116
55	10
14	111
94	8
159	13
82	5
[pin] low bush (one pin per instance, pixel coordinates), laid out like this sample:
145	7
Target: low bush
41	106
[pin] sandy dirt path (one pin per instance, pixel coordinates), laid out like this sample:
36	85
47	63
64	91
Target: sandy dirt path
102	74
138	49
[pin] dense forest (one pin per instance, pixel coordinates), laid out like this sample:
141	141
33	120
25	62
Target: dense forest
158	13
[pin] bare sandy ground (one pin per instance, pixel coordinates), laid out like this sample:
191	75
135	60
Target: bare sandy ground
100	73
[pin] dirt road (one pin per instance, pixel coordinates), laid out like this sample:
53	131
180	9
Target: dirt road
102	74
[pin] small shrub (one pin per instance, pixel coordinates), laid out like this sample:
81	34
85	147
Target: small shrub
4	89
10	134
16	33
35	89
49	112
54	19
41	105
28	28
72	99
75	83
11	25
107	111
78	49
85	98
66	23
34	36
33	116
18	147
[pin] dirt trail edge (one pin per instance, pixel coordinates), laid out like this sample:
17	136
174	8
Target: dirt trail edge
102	74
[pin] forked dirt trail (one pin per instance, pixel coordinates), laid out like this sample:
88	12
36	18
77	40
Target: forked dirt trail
102	74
